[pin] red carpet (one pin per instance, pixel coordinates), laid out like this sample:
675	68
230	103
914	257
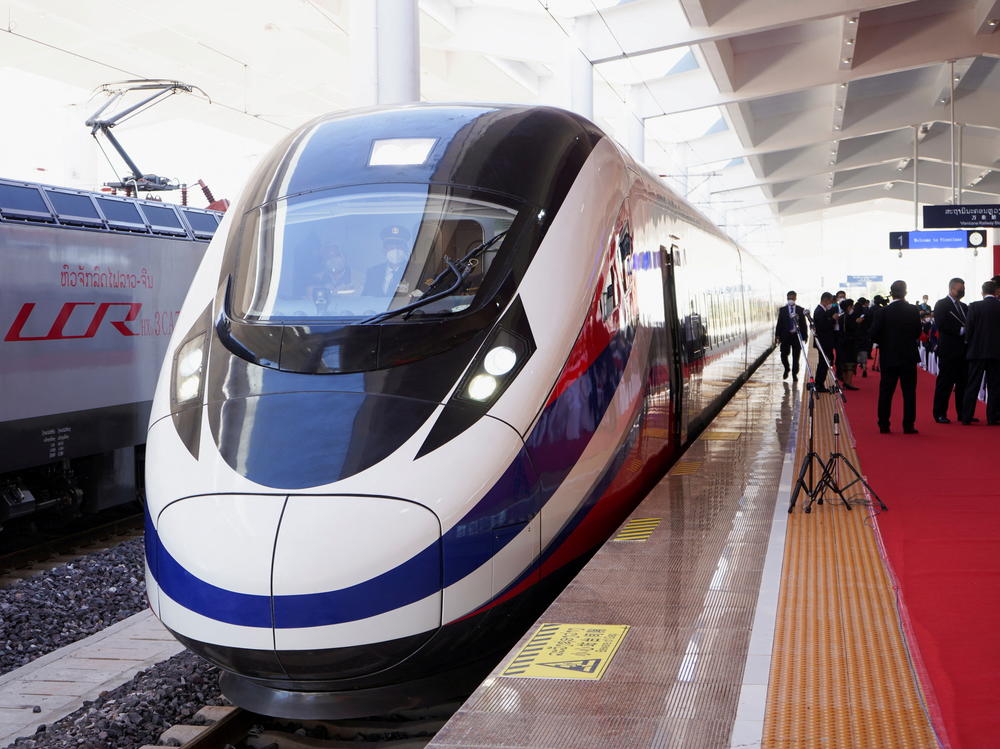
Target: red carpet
942	538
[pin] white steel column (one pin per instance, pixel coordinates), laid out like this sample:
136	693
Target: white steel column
636	126
581	85
364	61
397	33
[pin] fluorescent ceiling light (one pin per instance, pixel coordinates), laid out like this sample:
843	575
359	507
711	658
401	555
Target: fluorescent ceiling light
400	151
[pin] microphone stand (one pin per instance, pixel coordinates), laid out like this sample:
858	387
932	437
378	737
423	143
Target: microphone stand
830	477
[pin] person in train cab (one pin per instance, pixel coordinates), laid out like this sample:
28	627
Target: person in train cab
896	330
863	322
334	273
825	337
333	277
847	346
790	327
982	334
950	317
385	278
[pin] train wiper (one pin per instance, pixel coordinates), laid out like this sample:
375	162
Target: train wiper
456	269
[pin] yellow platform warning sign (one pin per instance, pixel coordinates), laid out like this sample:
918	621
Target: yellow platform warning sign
720	435
568	651
637	529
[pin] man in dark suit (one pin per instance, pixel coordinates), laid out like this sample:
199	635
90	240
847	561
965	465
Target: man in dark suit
983	353
823	323
385	279
950	316
791	324
896	330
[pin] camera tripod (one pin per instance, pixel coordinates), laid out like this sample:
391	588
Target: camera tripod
830	470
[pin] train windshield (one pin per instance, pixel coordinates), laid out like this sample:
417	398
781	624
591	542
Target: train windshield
365	251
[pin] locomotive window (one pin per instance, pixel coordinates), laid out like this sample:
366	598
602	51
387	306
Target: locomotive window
201	222
359	252
18	199
78	206
121	212
162	216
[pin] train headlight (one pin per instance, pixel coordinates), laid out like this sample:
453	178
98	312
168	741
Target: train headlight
481	387
188	370
499	360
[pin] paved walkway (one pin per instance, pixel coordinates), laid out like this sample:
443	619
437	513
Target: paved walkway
59	682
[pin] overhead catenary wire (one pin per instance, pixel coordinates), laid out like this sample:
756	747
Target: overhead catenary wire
611	87
134	74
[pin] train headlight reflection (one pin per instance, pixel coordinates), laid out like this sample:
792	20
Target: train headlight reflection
481	387
500	360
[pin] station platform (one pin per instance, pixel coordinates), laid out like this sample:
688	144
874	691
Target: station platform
54	685
714	618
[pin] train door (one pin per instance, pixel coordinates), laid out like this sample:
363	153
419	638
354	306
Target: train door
668	259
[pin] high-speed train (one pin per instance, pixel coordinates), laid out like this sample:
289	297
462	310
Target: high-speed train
434	356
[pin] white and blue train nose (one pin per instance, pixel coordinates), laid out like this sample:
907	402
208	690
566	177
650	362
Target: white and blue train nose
268	580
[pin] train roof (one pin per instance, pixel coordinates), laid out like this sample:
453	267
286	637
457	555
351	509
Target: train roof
51	205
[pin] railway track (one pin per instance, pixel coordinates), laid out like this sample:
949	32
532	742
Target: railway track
223	727
45	553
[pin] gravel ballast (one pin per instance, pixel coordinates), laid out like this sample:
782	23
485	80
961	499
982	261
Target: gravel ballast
60	606
137	712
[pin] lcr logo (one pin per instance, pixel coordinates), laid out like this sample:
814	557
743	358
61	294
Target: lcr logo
58	333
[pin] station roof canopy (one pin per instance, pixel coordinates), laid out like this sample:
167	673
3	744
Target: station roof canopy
824	97
786	106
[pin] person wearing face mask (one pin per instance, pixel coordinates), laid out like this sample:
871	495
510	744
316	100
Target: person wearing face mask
791	325
951	315
896	330
823	319
385	279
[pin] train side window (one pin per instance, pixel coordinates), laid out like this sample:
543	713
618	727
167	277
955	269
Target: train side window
609	297
122	214
163	220
75	209
625	249
26	203
202	224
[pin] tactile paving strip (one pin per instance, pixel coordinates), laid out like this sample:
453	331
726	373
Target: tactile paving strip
840	676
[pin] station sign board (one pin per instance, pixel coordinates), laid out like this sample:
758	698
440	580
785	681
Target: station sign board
937	239
960	216
863	280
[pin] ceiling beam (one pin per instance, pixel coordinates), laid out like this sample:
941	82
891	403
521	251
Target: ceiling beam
947	80
656	30
979	152
879	50
987	16
808	128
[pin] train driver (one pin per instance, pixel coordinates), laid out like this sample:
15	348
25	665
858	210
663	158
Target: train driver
385	279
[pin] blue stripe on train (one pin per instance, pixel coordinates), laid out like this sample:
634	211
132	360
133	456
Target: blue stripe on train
554	445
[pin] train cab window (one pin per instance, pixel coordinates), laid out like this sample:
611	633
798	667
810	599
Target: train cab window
73	208
25	203
163	220
122	214
361	252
